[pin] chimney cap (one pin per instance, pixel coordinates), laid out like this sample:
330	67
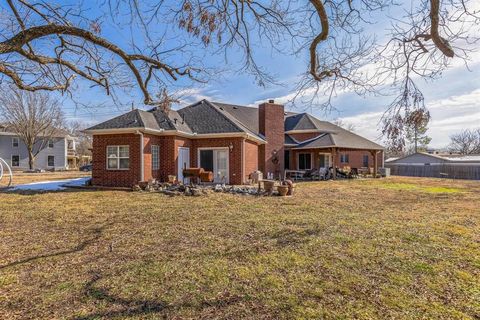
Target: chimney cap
271	101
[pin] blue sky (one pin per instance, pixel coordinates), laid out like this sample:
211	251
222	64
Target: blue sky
452	100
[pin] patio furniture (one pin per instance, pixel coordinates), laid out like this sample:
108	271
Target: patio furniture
324	173
354	173
294	174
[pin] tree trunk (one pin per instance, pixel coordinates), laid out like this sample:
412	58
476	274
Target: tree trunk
31	159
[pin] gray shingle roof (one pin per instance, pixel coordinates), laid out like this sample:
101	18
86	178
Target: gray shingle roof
341	139
290	140
132	119
202	117
206	117
304	121
247	116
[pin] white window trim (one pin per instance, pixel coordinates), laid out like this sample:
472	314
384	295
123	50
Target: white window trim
48	143
157	147
18	142
11	160
51	155
118	162
227	178
311	160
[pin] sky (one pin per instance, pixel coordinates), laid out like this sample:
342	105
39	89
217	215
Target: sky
453	100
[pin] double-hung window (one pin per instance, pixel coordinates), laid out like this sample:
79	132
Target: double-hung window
50	143
344	158
118	157
155	157
15	142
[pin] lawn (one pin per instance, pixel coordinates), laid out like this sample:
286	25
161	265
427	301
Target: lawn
400	248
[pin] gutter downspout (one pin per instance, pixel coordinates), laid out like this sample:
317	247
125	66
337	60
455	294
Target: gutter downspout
243	162
142	160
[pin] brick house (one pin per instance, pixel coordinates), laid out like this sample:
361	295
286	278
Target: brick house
229	140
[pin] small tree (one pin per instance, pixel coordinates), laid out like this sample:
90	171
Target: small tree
465	142
33	116
416	130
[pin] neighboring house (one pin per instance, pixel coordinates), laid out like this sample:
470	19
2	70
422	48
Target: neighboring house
231	141
58	153
436	165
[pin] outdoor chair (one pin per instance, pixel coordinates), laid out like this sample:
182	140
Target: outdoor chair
323	173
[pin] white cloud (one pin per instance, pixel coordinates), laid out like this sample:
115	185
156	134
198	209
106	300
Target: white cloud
449	116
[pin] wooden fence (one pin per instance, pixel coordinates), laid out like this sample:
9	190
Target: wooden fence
451	171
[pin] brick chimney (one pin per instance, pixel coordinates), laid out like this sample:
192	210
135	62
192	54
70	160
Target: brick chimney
271	125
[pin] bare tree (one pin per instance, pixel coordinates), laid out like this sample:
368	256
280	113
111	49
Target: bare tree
345	125
34	116
465	142
47	44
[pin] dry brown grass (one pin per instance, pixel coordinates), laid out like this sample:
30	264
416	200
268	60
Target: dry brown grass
393	248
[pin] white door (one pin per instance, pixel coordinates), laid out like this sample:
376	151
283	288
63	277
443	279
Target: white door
221	165
183	161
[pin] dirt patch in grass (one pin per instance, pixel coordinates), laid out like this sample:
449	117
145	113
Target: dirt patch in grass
343	249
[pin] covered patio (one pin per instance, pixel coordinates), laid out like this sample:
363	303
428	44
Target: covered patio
334	151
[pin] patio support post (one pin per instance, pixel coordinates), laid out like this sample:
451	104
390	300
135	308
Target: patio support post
375	162
334	163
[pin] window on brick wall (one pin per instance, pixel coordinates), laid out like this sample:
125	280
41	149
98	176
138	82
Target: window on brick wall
365	160
155	157
344	158
118	157
304	161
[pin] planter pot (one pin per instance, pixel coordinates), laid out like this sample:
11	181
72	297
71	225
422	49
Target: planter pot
291	190
282	190
269	186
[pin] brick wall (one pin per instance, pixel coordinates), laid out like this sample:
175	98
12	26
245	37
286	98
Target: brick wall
115	178
234	157
300	137
271	125
355	159
169	146
251	158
